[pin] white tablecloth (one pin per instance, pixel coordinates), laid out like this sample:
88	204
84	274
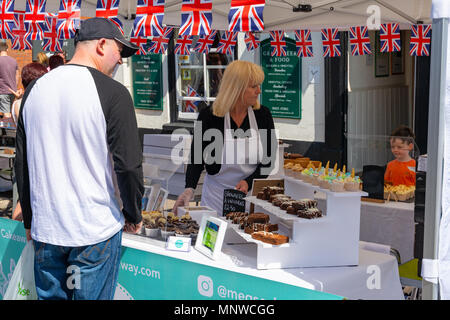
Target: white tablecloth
390	223
376	277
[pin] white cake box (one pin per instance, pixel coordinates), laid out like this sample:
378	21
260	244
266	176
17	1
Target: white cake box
197	212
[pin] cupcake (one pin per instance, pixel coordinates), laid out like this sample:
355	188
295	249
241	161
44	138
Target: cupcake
151	228
352	182
337	185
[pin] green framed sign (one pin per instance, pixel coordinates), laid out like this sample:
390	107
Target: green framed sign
281	90
147	81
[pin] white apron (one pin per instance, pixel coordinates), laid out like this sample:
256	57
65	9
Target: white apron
240	157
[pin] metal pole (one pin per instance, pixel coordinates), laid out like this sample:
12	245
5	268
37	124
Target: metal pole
433	195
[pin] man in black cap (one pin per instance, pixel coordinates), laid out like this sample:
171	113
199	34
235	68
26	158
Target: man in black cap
79	167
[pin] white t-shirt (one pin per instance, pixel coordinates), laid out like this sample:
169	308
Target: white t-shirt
77	133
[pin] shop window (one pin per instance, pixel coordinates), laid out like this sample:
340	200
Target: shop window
197	81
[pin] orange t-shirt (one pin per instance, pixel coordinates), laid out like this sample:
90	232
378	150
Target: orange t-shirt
401	173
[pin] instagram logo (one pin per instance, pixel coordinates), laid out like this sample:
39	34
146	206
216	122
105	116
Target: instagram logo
205	286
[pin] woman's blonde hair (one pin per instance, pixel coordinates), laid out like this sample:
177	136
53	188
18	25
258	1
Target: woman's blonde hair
42	59
237	77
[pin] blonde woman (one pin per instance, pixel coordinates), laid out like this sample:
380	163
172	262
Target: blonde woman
244	137
43	59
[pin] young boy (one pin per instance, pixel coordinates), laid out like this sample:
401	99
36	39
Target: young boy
402	170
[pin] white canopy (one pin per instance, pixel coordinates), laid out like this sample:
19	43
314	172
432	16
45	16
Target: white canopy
279	15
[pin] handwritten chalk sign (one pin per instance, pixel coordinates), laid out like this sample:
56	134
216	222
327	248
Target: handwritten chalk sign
233	201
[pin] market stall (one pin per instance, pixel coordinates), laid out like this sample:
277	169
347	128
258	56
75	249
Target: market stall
150	271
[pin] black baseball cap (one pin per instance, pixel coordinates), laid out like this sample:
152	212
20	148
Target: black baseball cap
96	28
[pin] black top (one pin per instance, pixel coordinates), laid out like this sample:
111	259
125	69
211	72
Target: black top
206	120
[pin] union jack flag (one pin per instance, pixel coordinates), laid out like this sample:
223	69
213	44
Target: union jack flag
246	15
68	18
35	18
196	17
331	43
251	41
183	44
227	42
6	19
159	44
303	43
141	43
390	37
359	41
21	32
420	40
278	43
191	105
109	9
149	18
51	41
205	42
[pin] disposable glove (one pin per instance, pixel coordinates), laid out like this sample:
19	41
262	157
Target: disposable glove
183	199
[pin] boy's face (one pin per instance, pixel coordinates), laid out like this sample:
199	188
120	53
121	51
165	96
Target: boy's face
400	149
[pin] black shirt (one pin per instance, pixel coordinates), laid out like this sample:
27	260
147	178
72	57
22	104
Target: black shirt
206	120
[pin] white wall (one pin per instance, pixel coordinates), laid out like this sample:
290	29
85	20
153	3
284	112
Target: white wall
311	127
376	106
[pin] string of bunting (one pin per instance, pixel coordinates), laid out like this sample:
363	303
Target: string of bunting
21	27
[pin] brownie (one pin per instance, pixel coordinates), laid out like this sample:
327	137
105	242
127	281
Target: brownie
310	213
258	218
286	204
305	204
269	237
291	210
278	201
260	195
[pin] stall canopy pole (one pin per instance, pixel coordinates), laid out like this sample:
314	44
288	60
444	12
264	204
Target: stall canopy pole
433	195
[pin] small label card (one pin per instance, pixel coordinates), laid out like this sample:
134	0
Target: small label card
179	243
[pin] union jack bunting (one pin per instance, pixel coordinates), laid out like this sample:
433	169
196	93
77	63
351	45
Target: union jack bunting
109	9
359	41
277	43
251	41
196	17
227	43
35	18
191	105
141	43
303	43
51	41
331	43
159	44
149	18
390	37
22	35
6	19
420	40
205	42
183	45
68	18
246	15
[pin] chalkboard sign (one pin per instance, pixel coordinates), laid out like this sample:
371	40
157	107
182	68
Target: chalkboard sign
233	201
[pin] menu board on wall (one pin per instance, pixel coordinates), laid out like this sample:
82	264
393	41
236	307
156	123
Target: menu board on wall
147	81
282	87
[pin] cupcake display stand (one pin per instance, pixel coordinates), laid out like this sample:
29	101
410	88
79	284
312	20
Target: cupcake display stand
331	240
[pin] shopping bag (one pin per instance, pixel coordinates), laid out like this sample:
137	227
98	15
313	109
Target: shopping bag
22	285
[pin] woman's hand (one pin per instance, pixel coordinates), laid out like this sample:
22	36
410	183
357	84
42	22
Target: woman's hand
242	186
18	94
